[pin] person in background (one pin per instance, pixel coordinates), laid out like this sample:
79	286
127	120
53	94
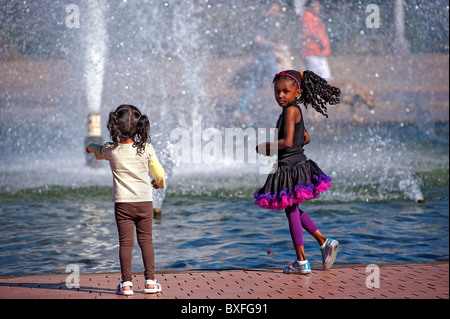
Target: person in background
265	63
316	44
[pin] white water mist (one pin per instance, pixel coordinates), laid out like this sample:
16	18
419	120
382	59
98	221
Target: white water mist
95	42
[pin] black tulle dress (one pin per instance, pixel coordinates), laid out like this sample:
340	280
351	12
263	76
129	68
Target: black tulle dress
296	178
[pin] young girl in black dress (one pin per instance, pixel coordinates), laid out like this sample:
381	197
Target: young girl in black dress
297	178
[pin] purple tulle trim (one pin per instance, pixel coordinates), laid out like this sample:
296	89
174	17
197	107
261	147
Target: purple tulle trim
288	197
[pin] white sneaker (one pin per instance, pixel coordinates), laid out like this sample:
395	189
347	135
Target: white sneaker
329	253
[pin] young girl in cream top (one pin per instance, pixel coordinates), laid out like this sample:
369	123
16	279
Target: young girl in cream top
130	157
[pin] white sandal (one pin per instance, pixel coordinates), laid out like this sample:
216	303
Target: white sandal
156	287
120	290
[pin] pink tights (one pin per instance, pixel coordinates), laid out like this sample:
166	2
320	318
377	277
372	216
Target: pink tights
298	219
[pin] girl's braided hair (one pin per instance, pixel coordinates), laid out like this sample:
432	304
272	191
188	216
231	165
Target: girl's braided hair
128	122
315	90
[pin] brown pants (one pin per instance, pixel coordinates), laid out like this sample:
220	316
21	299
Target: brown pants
128	216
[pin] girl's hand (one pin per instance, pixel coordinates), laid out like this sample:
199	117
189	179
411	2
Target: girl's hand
154	185
263	148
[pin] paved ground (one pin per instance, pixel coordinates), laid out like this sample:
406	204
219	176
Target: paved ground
396	281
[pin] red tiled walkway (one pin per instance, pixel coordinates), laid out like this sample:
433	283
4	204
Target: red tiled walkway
396	281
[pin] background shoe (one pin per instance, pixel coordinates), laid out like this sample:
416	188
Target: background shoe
329	253
296	268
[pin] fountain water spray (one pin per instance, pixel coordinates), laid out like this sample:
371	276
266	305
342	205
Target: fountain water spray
95	42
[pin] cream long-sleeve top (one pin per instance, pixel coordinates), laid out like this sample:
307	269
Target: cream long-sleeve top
131	179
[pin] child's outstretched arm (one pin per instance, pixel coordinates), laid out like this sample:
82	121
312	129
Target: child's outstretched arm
100	151
158	174
96	149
